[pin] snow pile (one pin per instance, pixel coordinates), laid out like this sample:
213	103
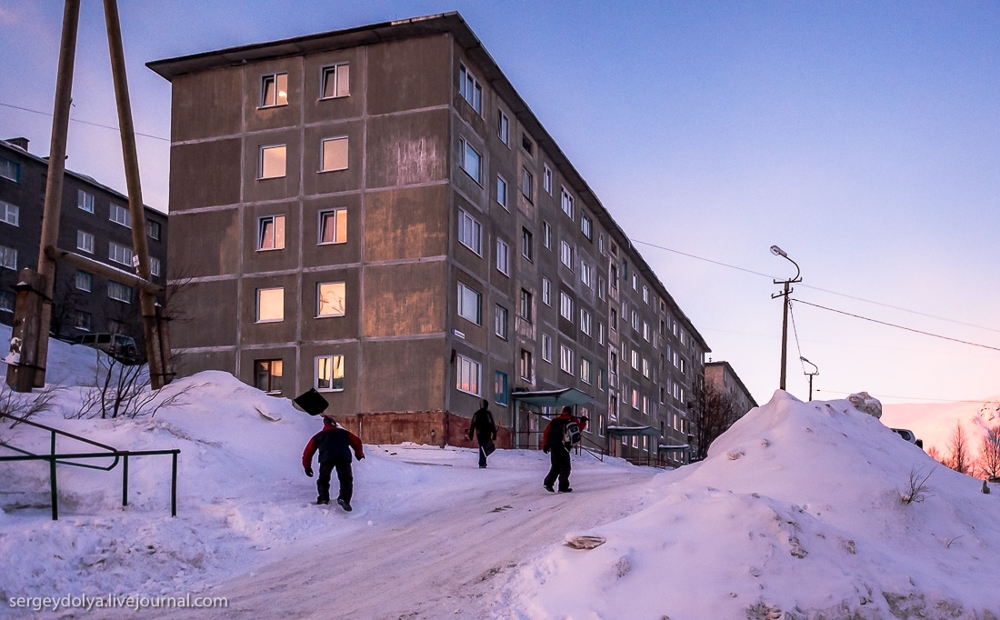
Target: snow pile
798	510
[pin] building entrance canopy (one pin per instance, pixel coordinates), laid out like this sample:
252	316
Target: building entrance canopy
552	398
632	431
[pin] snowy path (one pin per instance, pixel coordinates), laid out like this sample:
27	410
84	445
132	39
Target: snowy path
417	564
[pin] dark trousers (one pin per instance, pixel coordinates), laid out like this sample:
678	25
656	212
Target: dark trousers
344	475
560	467
483	440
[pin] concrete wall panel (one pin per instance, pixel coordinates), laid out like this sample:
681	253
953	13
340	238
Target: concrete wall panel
189	254
407	148
405	299
420	388
316	182
206	104
406	223
205	174
404	75
257	189
204	315
315	254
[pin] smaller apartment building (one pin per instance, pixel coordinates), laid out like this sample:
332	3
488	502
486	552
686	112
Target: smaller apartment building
723	377
94	222
395	228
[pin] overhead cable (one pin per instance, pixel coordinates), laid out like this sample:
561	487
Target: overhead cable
76	120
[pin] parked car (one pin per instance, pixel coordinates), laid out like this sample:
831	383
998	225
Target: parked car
908	435
121	348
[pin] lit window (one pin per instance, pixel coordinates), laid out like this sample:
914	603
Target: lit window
272	162
153	230
501	192
470	304
546	292
547	179
565	306
9	213
503	127
501	322
120	254
527	183
119	292
334	156
469	88
525	308
267	375
274	90
547	348
470	160
331	299
85	241
336	81
84	281
527	249
565	359
503	258
586	370
270	304
566	253
586	225
333	226
329	373
567	203
84	201
121	215
8	258
500	388
470	233
271	232
468	375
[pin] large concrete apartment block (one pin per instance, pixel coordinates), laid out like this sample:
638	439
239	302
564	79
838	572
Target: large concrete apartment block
384	219
93	222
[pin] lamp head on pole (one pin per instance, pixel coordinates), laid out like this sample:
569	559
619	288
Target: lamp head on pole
778	251
815	367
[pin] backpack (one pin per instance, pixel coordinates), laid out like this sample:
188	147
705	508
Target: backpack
571	433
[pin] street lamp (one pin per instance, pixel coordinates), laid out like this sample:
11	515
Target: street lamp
784	321
810	374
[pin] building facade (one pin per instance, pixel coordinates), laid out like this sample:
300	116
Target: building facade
94	222
723	377
390	224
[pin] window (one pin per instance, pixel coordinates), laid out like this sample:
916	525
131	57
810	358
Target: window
546	292
503	127
602	288
565	359
602	380
121	215
635	282
84	201
614	319
525	311
645	368
645	293
635	359
635	320
267	375
683	367
547	235
566	253
120	254
85	241
470	160
333	226
470	304
329	373
274	90
331	299
635	402
500	388
525	366
565	306
8	258
586	322
586	370
334	154
154	266
503	257
271	232
501	192
600	243
526	144
501	322
567	203
527	249
471	91
600	333
470	233
9	213
270	304
84	281
153	230
586	274
547	179
527	184
119	292
468	375
586	225
10	170
272	162
547	348
645	331
613	276
336	81
82	321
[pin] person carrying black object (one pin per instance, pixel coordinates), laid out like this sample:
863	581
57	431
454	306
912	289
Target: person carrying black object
552	443
485	430
334	443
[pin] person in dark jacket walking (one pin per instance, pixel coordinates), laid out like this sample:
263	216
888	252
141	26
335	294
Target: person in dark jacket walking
485	430
552	443
334	444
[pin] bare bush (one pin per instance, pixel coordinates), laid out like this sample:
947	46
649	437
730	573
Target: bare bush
916	488
958	451
17	407
988	465
123	391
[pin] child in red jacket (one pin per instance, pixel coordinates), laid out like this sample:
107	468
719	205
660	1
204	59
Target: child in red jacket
334	443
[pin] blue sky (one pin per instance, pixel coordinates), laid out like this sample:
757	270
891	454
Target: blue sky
861	137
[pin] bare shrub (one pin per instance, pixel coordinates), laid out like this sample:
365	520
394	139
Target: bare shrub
916	488
17	407
123	391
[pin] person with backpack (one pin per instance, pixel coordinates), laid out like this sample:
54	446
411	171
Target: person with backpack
334	444
562	432
485	430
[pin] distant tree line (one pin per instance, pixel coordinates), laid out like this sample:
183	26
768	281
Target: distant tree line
958	453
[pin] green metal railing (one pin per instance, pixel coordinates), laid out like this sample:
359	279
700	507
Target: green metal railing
69	458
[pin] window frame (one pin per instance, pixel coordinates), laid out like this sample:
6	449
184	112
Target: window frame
127	252
262	151
84	236
546	348
278	229
586	225
86	278
6	209
503	127
462	301
335	215
470	89
546	291
268	365
566	254
281	306
527	245
154	230
524	307
342	285
527	184
501	322
503	257
335	70
84	200
124	215
123	297
566	306
8	258
567	202
469	225
566	359
322	154
10	170
463	155
504	194
273	78
331	358
475	379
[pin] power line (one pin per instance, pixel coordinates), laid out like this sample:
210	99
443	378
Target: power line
76	120
909	329
942	400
